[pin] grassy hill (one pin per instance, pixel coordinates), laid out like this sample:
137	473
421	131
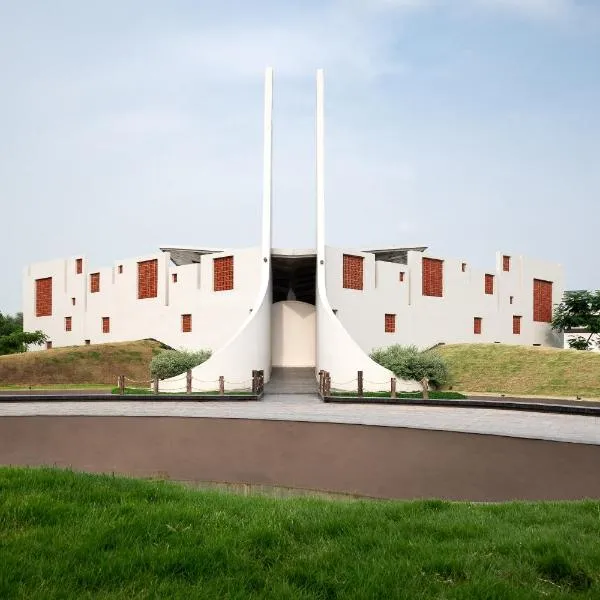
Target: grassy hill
93	364
523	370
67	535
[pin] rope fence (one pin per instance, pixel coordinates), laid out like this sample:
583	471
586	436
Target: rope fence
326	385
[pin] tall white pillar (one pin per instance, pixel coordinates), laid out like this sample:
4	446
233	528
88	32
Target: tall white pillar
320	171
267	166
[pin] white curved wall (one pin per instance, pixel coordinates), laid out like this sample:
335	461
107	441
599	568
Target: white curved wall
293	334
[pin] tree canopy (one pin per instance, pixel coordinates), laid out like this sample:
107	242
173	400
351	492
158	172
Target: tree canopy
12	337
579	310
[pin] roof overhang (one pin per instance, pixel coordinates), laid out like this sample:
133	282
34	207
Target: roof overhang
186	256
395	255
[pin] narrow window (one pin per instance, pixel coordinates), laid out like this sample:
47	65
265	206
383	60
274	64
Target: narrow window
148	279
105	324
120	269
73	301
542	301
390	323
68	323
87	342
489	283
79	266
401	275
48	345
433	277
516	325
94	282
43	297
174	277
463	267
352	268
506	263
186	323
511	299
223	273
477	325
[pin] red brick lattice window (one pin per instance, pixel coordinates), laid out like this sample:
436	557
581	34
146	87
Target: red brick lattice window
94	282
148	279
516	325
542	301
433	277
105	324
353	270
174	277
506	263
390	323
401	277
223	273
186	323
79	266
477	325
43	297
489	283
68	323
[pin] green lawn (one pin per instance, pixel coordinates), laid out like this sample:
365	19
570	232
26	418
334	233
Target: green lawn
56	386
64	535
148	392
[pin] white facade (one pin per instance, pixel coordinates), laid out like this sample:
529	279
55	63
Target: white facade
251	326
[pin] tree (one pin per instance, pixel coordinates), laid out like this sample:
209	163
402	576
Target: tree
579	310
12	337
407	362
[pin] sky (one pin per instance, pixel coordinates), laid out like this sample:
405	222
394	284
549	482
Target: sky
468	126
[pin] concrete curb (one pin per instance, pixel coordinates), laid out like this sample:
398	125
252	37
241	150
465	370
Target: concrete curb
60	397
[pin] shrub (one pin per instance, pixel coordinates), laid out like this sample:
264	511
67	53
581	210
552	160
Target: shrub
407	362
170	363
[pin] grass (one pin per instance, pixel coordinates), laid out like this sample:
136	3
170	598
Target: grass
524	370
67	535
434	395
57	386
90	365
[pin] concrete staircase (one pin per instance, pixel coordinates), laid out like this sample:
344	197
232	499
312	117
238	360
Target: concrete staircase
292	380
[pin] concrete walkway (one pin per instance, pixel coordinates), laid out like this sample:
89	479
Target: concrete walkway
564	428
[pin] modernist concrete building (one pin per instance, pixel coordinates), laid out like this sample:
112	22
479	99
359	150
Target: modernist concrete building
324	307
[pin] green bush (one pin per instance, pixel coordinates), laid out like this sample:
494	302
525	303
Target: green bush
170	363
407	362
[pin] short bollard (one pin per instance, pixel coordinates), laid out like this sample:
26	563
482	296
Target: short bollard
360	383
321	380
221	385
155	385
122	385
393	387
188	382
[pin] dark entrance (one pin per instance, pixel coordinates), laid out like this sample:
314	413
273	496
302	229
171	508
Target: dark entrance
294	278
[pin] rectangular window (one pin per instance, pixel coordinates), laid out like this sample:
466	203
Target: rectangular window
87	342
174	277
433	277
401	275
510	300
506	263
542	301
390	323
477	325
120	269
516	325
463	267
73	301
148	279
186	323
48	345
79	266
352	275
105	324
94	282
68	323
489	284
43	297
223	273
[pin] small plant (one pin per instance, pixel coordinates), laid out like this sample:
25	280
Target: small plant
170	363
407	362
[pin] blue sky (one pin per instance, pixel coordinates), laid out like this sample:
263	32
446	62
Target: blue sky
469	126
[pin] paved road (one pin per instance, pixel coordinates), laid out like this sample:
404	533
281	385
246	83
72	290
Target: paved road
566	428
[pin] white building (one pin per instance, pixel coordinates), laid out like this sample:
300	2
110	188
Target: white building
325	307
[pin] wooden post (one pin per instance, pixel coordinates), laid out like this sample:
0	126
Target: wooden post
254	381
188	382
393	388
321	379
425	384
122	385
221	385
360	383
261	380
155	385
327	384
